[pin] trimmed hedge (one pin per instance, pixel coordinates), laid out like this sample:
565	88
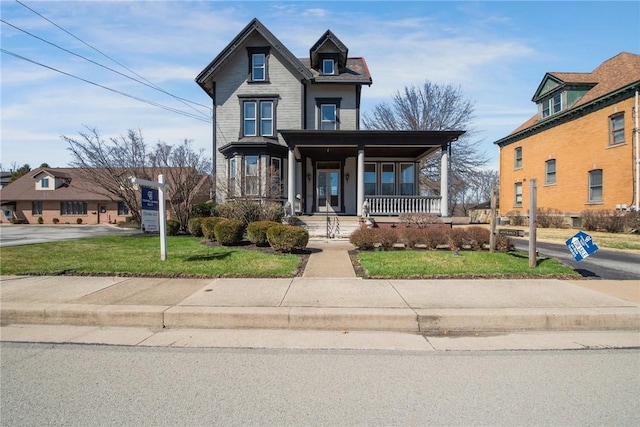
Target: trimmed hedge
173	227
257	232
208	225
229	232
195	226
287	238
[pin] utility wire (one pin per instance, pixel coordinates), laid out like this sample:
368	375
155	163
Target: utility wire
155	104
103	66
110	58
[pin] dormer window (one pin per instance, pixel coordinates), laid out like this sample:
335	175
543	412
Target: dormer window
328	66
551	106
44	183
258	64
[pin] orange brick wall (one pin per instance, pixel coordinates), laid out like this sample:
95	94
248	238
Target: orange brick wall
578	146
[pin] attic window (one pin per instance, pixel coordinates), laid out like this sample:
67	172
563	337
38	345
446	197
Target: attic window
44	183
551	105
258	64
328	66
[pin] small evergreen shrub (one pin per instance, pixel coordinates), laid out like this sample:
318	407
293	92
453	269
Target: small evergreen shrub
203	209
477	237
287	238
79	221
173	227
55	220
195	226
364	239
40	220
208	227
257	232
229	232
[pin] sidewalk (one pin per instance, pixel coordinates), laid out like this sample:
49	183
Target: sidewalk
328	297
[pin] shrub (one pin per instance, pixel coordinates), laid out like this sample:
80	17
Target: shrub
632	221
610	221
387	237
287	238
195	226
364	239
457	238
420	220
40	220
173	227
79	221
272	211
477	237
550	218
516	218
55	220
208	227
246	211
503	243
257	232
203	209
229	232
18	221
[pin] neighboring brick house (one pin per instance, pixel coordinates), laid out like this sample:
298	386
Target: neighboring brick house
64	194
289	129
581	146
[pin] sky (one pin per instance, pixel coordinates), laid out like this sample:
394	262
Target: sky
496	52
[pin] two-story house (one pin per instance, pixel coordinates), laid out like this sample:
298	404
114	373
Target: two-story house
582	145
289	128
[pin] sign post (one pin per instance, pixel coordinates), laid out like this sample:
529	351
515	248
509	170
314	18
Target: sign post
533	219
581	245
161	187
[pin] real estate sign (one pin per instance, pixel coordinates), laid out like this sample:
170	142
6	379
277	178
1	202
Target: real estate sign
581	246
150	209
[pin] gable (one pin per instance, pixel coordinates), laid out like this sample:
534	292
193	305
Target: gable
328	46
549	84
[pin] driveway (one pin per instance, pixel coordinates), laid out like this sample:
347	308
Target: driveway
14	235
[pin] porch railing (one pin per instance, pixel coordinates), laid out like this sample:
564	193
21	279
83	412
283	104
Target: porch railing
396	205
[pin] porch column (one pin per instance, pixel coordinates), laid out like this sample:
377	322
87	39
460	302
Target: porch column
444	182
360	182
291	180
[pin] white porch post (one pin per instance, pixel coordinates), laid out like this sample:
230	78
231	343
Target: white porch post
444	182
291	179
360	183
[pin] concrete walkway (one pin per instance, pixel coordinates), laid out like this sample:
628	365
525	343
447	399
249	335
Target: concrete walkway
328	297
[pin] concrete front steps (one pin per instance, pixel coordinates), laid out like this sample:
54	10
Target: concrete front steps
330	226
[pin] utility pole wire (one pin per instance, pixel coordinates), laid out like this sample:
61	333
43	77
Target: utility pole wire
110	58
155	104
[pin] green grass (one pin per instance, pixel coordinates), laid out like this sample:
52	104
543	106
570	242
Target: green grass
186	257
434	264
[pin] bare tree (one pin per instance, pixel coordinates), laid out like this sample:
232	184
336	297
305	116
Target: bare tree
107	166
434	107
187	172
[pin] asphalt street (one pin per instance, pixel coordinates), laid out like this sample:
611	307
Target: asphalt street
14	234
111	385
603	264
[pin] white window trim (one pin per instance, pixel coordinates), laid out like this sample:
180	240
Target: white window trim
325	62
254	68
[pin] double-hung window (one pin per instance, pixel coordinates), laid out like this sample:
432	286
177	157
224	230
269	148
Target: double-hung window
616	125
258	117
123	209
550	172
407	179
328	117
595	186
518	194
251	175
517	162
73	208
44	183
258	64
328	66
36	207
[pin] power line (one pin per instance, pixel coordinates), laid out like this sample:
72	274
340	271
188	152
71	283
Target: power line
155	104
110	58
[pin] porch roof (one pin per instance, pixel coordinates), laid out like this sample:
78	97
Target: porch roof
376	143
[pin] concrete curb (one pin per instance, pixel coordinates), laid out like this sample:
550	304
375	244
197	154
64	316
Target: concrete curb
433	321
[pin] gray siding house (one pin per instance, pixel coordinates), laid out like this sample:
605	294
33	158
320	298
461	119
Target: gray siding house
288	128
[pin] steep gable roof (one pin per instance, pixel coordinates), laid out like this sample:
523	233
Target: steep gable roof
338	47
255	26
618	74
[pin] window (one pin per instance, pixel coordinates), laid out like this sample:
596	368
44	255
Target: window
517	158
258	117
232	177
73	208
550	172
407	179
251	184
36	207
595	185
370	179
518	194
44	183
328	66
258	64
123	209
552	105
387	179
275	178
327	117
617	129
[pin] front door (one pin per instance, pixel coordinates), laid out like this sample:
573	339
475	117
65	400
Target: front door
328	194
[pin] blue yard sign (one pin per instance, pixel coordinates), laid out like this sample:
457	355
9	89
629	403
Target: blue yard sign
150	201
581	245
150	209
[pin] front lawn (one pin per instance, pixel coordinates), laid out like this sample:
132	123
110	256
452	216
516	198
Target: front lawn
140	255
445	264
